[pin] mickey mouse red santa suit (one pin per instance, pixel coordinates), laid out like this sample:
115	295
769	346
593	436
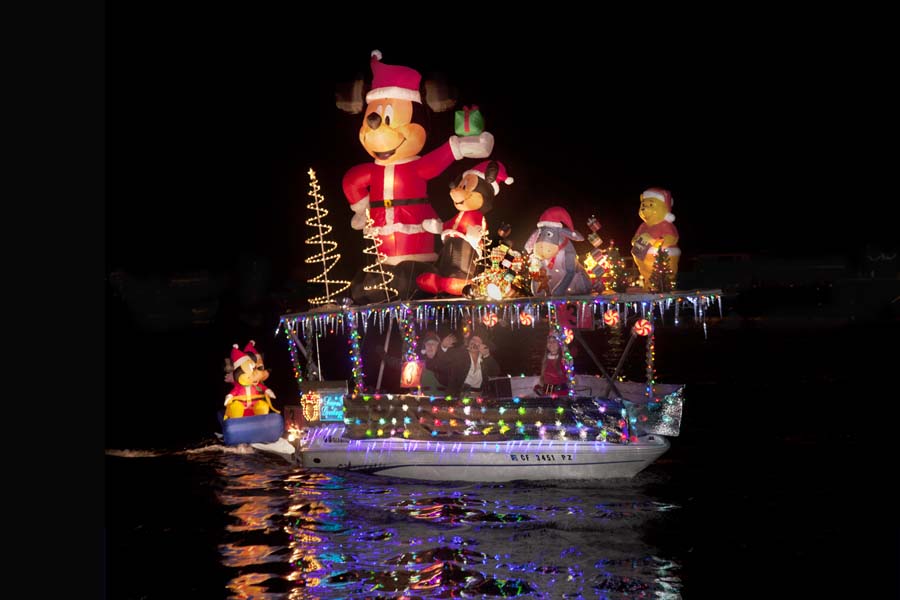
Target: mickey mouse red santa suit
472	194
249	396
394	186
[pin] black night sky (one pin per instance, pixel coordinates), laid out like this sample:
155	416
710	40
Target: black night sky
215	116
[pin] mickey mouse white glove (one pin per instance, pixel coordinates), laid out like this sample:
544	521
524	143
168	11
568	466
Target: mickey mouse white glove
473	235
477	146
359	218
432	225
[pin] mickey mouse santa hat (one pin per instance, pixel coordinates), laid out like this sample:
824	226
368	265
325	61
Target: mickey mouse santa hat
393	81
481	168
237	357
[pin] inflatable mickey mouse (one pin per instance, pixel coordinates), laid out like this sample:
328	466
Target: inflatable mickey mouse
394	186
472	194
249	396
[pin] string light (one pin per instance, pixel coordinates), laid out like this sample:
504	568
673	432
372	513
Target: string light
310	402
559	334
437	312
407	328
662	279
292	349
356	362
515	312
326	254
383	278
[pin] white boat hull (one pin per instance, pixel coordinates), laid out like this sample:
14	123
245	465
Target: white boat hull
485	461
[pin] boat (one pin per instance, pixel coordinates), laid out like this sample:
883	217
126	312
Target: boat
576	443
601	427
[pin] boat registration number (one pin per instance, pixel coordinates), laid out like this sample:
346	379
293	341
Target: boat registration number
541	457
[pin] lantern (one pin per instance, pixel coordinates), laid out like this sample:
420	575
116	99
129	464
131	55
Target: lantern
411	374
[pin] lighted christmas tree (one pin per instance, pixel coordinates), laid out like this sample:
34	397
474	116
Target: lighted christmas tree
382	278
662	279
484	274
596	263
326	254
483	262
616	277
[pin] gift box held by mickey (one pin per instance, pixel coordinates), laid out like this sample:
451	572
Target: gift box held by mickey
468	121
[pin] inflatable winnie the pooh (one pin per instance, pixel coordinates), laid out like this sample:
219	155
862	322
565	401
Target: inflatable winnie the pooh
657	231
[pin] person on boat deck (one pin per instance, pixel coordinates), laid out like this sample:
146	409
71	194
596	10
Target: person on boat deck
437	368
470	366
553	373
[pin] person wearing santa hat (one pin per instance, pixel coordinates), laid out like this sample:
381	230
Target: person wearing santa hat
657	231
394	187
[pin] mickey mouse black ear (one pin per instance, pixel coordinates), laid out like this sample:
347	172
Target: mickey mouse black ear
440	95
348	96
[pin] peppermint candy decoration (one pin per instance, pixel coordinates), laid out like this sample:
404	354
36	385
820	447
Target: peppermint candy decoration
611	318
526	318
490	319
643	327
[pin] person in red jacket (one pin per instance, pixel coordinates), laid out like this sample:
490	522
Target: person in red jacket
553	373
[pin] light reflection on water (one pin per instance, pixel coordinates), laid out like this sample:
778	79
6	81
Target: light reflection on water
292	533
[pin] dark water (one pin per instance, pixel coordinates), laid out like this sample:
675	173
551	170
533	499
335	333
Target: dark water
780	485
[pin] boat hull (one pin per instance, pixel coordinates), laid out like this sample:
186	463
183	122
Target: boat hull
486	461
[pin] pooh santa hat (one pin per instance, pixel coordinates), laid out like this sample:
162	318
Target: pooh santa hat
665	196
